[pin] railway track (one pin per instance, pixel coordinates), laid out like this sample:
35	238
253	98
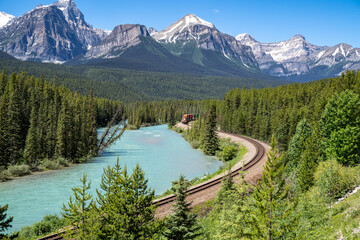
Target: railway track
260	152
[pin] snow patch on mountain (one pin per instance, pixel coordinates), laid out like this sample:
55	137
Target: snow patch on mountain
5	18
182	27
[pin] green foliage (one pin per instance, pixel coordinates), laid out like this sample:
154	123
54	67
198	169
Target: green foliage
39	120
132	86
19	170
78	212
233	214
259	113
125	204
270	198
229	152
181	224
48	225
297	144
334	180
5	222
210	141
340	128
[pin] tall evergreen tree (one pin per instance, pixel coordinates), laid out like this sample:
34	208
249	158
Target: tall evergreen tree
209	140
31	153
181	224
79	212
270	197
14	120
5	222
236	218
125	204
340	128
297	144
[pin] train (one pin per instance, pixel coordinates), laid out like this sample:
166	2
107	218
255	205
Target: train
188	117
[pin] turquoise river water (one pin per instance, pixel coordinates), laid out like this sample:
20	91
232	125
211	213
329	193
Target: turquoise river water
161	153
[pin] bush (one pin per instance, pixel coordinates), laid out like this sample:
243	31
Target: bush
229	152
334	180
49	224
195	144
4	174
19	170
63	162
50	164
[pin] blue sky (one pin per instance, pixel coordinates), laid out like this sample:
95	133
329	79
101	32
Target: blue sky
320	22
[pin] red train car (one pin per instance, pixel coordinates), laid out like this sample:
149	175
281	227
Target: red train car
188	117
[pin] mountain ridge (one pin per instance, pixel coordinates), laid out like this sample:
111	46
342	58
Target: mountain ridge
58	33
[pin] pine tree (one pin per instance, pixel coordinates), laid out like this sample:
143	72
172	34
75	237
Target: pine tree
297	144
308	162
270	197
31	152
14	120
237	218
171	120
125	203
340	128
181	224
4	152
3	82
91	122
209	140
61	133
5	222
78	212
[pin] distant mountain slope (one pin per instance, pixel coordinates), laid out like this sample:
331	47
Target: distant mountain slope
297	59
51	33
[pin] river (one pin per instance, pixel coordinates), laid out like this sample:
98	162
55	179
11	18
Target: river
161	153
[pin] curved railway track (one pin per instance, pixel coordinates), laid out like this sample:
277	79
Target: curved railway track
260	152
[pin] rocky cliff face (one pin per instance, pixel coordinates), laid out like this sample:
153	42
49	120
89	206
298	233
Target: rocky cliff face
121	38
296	56
194	29
52	33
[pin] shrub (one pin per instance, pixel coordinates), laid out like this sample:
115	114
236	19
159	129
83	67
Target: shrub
50	164
49	224
195	144
4	174
334	180
229	152
19	170
63	162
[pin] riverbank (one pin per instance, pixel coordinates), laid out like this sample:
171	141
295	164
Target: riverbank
46	165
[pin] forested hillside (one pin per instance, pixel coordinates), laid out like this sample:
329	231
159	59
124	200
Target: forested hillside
39	120
131	86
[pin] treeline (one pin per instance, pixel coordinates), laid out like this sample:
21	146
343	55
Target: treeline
261	113
39	120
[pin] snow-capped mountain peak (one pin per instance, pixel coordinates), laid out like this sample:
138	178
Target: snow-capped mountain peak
189	27
5	18
192	19
297	37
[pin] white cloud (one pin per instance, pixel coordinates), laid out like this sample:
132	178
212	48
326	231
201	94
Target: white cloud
216	11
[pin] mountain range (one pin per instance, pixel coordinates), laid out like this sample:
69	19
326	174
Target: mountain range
58	33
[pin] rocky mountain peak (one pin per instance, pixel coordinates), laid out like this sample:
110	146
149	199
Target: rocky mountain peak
121	38
245	38
190	27
298	37
5	18
152	31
